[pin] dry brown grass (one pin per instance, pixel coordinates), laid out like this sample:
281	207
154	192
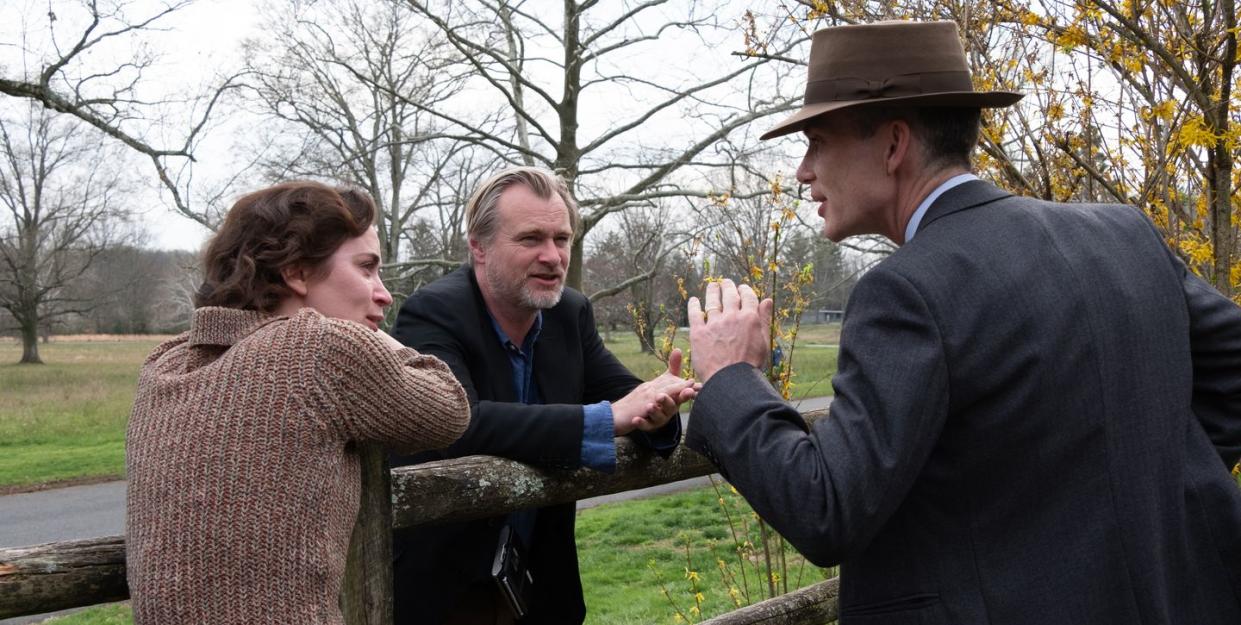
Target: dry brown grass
96	338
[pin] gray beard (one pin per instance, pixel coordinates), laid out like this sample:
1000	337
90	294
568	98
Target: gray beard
524	296
541	300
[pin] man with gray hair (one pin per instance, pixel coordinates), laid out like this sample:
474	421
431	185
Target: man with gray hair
543	390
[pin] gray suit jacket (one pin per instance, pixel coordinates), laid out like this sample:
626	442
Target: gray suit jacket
1036	410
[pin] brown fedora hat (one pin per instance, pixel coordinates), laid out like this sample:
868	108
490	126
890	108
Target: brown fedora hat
903	63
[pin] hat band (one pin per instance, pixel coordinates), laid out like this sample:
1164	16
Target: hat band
851	89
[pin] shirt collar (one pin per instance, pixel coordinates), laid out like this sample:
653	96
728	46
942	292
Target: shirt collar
531	336
916	219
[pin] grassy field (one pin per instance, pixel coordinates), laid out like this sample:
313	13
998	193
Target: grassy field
630	552
65	420
110	614
814	357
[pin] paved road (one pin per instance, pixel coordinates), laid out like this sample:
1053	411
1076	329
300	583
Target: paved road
62	514
94	510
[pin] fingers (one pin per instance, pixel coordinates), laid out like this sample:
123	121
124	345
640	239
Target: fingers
671	385
695	314
713	297
674	362
728	294
764	308
749	301
657	415
665	407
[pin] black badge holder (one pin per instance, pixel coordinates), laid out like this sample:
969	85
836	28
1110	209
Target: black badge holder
511	573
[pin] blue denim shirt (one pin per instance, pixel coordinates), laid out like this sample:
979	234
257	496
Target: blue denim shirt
598	442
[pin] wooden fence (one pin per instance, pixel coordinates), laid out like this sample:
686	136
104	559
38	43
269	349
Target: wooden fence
56	576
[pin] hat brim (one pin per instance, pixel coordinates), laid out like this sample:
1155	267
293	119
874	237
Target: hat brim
962	99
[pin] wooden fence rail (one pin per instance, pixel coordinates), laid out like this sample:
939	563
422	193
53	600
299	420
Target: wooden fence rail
56	576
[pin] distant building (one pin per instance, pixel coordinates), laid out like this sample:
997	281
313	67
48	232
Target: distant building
824	315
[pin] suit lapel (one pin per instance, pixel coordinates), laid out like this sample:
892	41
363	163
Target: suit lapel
497	369
549	349
971	194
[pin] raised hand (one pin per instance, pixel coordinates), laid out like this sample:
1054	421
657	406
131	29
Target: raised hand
733	328
649	406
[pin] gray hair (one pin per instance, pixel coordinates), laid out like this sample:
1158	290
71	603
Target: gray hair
481	214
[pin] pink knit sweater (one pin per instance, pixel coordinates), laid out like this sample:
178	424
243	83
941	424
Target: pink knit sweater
243	484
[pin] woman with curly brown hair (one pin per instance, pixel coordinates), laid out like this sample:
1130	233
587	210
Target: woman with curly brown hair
243	480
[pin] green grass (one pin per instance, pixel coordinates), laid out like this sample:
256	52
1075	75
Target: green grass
109	614
628	552
631	552
814	357
66	419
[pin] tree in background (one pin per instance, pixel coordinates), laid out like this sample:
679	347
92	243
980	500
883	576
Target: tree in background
634	271
92	61
137	291
325	78
575	93
1151	113
739	233
64	200
1133	102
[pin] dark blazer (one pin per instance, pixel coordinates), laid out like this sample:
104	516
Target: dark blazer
448	319
1036	410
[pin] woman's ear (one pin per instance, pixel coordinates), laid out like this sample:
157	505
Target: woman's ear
295	278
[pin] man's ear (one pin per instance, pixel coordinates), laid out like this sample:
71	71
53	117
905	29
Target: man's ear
295	278
477	252
899	136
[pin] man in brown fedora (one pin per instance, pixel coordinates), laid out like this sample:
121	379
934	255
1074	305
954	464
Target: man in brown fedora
1037	405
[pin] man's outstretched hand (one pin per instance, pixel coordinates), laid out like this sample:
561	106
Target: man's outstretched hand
652	404
733	328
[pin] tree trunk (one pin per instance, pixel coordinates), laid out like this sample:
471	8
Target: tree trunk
647	339
1221	221
567	153
1224	231
573	279
30	341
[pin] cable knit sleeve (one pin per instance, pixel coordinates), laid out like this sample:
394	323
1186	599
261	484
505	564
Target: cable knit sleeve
370	392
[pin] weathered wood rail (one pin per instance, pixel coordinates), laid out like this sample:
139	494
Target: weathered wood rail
56	576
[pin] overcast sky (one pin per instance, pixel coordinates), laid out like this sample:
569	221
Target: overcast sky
203	41
203	36
198	39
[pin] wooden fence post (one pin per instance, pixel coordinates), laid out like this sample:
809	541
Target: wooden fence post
366	595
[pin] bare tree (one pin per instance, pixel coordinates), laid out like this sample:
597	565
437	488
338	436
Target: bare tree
632	272
328	74
64	201
129	289
577	92
173	304
88	59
